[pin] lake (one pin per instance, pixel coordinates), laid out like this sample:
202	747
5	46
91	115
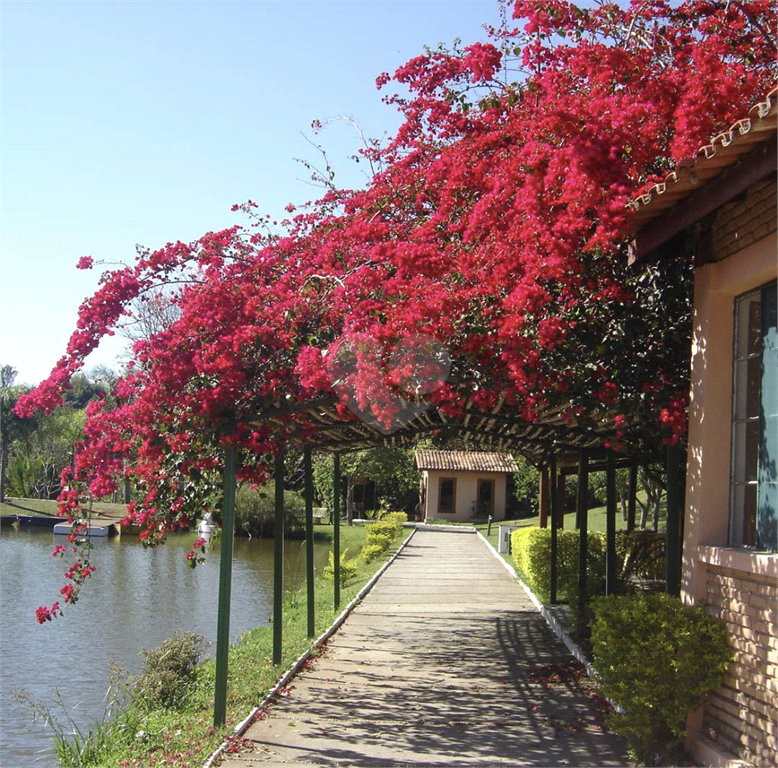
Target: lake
136	599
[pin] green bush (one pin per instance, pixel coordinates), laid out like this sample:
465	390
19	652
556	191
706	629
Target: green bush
531	551
394	517
348	568
255	512
381	540
383	528
371	551
169	672
657	659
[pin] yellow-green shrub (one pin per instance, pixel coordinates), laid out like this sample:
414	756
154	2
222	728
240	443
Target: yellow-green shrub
531	551
383	528
394	517
348	568
382	540
371	551
657	659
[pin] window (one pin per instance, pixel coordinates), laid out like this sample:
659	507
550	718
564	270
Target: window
485	497
447	496
754	502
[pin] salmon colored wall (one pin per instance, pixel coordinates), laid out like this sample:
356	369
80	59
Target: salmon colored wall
710	407
737	583
467	484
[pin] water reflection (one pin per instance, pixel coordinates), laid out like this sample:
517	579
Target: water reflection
136	599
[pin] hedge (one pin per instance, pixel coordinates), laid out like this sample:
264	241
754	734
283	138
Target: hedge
531	551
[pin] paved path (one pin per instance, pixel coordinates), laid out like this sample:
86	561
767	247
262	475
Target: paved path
438	666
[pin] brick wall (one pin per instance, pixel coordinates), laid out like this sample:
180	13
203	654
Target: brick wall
742	715
745	220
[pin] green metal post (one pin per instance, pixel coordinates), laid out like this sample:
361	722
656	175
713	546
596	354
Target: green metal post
309	571
610	523
225	586
674	503
278	561
554	525
336	530
583	541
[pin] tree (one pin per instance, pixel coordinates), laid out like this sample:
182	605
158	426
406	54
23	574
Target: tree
391	469
498	227
151	313
8	420
82	390
42	450
526	486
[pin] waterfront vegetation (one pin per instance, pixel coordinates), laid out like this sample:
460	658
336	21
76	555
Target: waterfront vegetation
50	507
138	733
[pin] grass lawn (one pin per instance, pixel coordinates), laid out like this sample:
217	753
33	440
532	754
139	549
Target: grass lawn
49	507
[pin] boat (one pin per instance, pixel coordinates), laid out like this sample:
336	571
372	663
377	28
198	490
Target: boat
38	521
6	520
206	527
91	530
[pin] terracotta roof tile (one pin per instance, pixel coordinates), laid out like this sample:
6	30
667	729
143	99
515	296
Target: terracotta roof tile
711	159
458	461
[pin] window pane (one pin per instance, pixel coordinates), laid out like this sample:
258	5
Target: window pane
767	514
749	325
749	515
754	513
485	497
748	383
746	452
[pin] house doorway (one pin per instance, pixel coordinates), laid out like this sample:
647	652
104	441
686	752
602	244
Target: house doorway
485	496
447	496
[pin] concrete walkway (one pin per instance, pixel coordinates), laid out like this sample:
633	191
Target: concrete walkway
440	665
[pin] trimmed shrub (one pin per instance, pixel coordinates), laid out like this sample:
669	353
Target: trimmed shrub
657	659
382	540
395	517
531	551
169	672
371	551
383	528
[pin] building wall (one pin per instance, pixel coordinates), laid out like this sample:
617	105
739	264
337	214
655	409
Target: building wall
741	715
466	494
746	220
739	585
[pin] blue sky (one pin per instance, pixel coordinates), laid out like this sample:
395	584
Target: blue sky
143	122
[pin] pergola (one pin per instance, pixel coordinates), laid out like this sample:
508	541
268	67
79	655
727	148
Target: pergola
550	442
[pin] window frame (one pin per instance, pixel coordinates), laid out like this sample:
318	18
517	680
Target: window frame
748	423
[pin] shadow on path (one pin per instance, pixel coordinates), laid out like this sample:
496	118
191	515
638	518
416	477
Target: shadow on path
446	662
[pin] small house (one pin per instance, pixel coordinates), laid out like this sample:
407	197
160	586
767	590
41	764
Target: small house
463	485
